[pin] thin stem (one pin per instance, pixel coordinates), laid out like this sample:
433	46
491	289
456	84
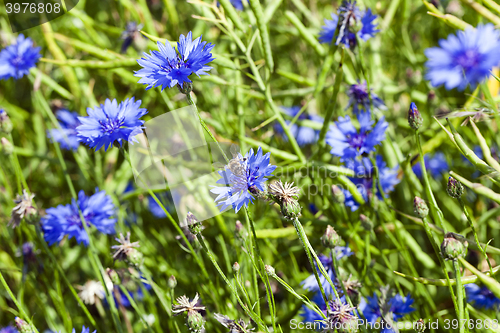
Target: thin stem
460	294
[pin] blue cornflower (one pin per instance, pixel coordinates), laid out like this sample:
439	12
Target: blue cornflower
111	123
155	209
168	67
347	142
310	282
349	14
84	330
363	169
303	135
434	165
246	177
465	58
9	329
66	135
97	211
399	307
482	297
17	59
359	99
311	316
238	4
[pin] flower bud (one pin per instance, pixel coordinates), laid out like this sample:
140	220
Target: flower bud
186	87
5	123
366	223
338	194
23	326
420	207
291	209
236	267
135	257
240	230
193	224
455	188
453	246
172	282
330	238
7	147
113	276
414	117
270	270
195	321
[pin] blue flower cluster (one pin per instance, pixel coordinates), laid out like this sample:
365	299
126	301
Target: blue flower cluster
244	178
97	210
17	59
341	28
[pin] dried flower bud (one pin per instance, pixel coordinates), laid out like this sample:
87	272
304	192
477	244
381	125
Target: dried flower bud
420	207
366	223
455	188
5	123
330	238
193	224
270	270
7	147
236	267
172	282
414	117
195	321
23	326
338	194
453	246
113	276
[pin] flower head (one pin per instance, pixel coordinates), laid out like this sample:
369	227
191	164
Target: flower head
348	142
435	165
185	305
66	136
360	100
352	22
111	123
246	177
286	196
398	305
341	315
303	135
17	59
123	250
91	292
23	208
364	170
311	284
465	58
481	297
97	211
169	67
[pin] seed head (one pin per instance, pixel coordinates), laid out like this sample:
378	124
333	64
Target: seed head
184	305
286	196
124	250
23	209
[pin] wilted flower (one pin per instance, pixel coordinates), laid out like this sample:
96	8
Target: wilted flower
97	211
302	134
360	100
125	248
23	208
481	297
167	67
348	143
66	136
17	59
111	123
465	58
286	196
194	320
246	177
234	326
91	292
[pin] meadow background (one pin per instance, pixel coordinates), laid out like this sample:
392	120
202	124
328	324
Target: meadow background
83	65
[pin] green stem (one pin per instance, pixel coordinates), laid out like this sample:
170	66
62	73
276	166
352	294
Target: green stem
460	295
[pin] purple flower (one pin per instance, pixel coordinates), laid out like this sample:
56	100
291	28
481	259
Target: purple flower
168	67
17	59
97	211
348	143
435	165
111	123
360	100
363	169
9	329
465	58
481	297
245	177
303	135
66	135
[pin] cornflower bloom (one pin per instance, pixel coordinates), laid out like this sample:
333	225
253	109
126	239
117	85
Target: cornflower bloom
302	134
17	59
246	177
66	136
435	165
359	99
97	211
464	59
111	124
347	142
481	297
398	305
169	67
